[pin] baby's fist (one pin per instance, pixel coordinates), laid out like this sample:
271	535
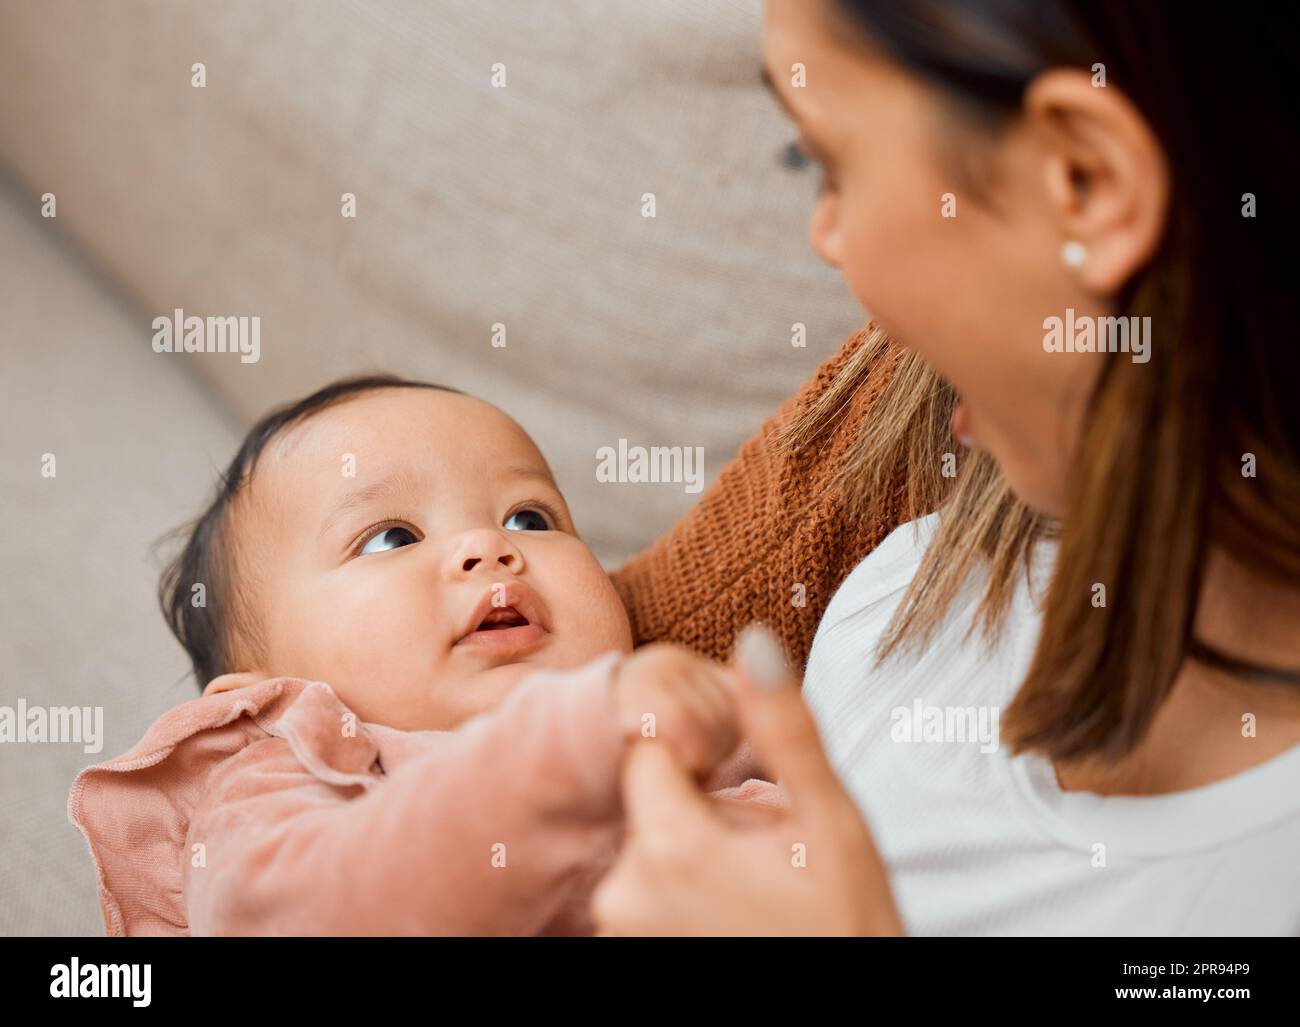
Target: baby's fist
679	697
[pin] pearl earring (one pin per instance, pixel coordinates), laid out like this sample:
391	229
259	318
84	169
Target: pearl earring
1074	253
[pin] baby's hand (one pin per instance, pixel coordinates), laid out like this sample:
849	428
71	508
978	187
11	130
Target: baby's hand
679	697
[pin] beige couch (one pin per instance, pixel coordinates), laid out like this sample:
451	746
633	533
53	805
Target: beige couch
476	205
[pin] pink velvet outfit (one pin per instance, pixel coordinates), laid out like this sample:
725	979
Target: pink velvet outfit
271	809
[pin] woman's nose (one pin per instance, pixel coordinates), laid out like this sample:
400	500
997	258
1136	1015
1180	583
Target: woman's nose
485	551
824	233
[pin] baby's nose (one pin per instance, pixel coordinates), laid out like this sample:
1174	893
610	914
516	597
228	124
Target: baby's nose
485	550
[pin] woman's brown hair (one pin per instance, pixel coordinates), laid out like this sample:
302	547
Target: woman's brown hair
1200	447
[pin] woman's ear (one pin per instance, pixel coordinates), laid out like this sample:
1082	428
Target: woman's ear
1107	176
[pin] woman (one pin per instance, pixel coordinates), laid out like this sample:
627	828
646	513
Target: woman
1100	627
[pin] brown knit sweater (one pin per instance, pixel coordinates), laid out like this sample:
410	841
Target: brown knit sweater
770	522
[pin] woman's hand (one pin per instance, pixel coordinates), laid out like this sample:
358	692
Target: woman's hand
687	869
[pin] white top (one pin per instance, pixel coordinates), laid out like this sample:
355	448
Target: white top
980	842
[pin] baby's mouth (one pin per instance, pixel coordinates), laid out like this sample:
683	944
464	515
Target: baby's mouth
503	620
504	631
507	629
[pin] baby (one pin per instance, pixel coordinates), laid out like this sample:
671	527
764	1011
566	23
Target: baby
417	692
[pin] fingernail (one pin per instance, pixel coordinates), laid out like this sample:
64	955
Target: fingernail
760	655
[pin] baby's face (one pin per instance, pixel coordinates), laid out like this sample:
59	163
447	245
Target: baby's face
425	586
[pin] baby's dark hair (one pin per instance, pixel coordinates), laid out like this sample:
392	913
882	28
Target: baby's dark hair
207	630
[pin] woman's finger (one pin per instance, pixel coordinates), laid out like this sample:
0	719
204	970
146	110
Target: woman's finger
618	903
660	797
780	727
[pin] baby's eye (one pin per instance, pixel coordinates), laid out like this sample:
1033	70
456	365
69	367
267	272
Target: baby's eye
389	538
527	519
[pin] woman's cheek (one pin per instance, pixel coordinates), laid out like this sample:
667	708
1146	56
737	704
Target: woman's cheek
905	265
883	259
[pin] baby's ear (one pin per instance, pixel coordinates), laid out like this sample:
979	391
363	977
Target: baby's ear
229	682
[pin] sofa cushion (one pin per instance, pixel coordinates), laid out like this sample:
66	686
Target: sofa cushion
475	206
133	441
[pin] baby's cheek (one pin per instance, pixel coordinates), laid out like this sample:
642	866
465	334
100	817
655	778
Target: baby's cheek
376	659
349	633
600	620
328	642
